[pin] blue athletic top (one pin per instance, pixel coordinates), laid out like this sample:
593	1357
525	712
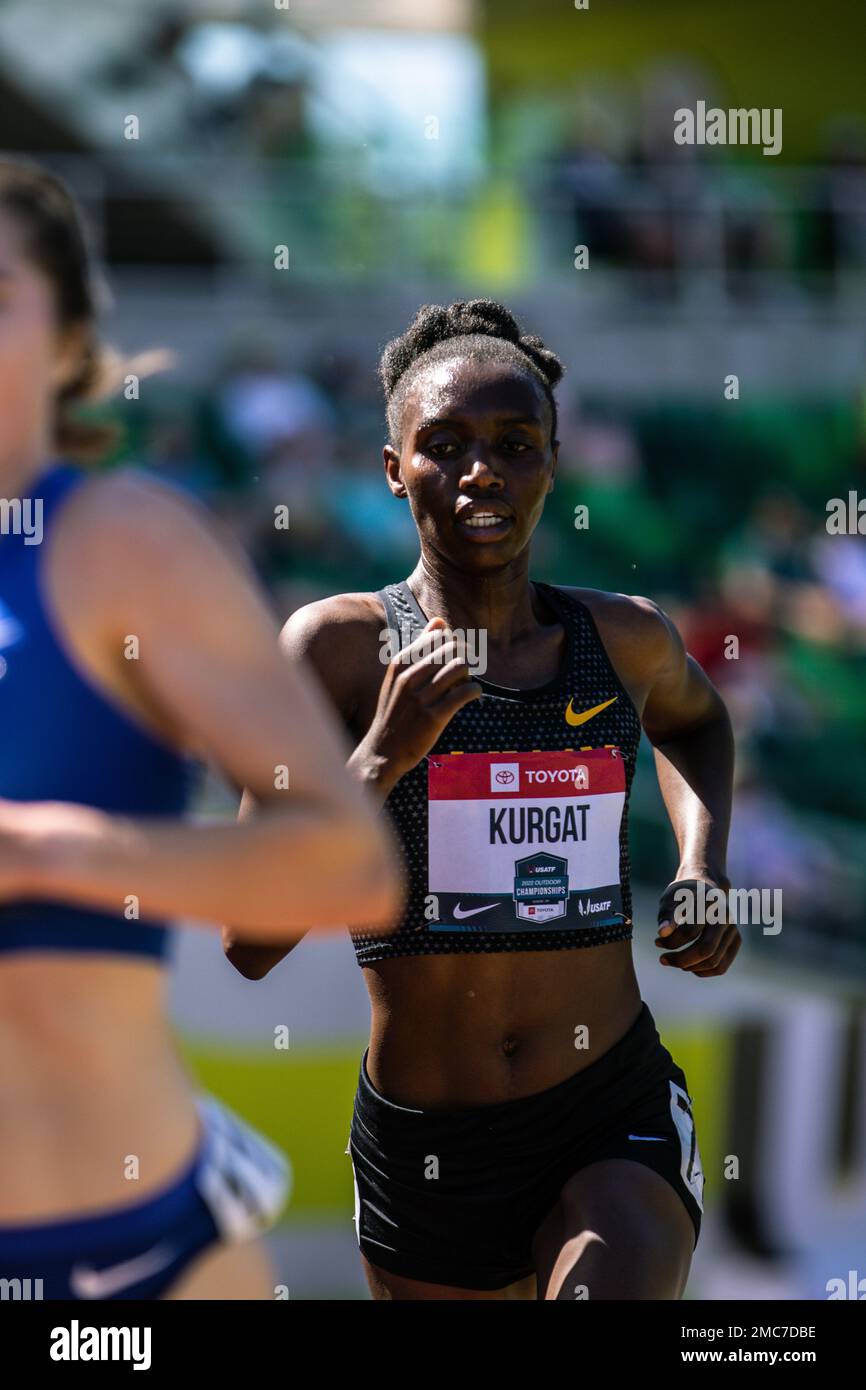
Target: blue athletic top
64	741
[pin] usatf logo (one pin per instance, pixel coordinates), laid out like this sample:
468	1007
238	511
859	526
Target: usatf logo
541	887
504	777
587	909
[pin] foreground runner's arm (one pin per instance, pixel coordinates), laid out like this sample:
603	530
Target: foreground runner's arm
423	688
685	719
209	667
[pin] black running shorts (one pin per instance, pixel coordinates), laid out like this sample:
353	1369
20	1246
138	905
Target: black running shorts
456	1196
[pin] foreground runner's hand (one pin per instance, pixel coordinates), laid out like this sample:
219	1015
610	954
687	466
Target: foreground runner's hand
425	685
714	947
25	826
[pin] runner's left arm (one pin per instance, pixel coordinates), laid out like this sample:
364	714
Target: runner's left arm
687	723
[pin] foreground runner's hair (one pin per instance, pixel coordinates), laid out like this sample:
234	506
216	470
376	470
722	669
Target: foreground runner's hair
55	240
133	642
519	1128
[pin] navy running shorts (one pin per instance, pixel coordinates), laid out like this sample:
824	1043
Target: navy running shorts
233	1188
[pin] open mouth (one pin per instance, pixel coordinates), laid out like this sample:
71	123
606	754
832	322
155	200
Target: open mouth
486	525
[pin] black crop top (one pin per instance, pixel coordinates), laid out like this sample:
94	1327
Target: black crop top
514	828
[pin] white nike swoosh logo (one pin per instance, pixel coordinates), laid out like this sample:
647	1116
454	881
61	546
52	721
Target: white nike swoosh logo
102	1283
461	912
649	1138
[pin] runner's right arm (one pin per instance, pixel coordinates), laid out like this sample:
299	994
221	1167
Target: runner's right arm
423	688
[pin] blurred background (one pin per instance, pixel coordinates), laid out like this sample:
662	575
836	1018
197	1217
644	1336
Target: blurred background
274	190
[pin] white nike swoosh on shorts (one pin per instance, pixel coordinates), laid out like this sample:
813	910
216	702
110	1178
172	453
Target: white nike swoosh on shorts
650	1138
461	912
102	1283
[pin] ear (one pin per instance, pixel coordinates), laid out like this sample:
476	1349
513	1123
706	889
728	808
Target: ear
392	471
555	461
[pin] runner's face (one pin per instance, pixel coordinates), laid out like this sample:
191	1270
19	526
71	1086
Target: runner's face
35	360
476	441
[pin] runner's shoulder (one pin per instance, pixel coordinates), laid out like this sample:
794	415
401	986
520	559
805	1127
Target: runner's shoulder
635	630
341	637
152	538
356	618
137	518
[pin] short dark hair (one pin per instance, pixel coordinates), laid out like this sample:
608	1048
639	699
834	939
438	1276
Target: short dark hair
487	332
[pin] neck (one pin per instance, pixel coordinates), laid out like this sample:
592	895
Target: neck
500	602
20	470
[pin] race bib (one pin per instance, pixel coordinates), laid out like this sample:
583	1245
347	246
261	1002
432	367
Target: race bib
525	841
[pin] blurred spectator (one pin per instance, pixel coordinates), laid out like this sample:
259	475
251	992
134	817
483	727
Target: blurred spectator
840	564
771	847
282	426
840	194
775	547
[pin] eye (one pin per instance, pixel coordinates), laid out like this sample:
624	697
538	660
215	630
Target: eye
441	448
516	446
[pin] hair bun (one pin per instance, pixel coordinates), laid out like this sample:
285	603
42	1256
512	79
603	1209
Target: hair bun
436	323
495	334
545	360
483	316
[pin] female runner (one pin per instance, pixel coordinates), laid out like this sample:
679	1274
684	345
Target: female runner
519	1128
129	640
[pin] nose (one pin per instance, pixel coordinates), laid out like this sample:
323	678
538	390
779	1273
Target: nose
480	471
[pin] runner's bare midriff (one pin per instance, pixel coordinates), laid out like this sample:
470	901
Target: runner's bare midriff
90	1083
464	1029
